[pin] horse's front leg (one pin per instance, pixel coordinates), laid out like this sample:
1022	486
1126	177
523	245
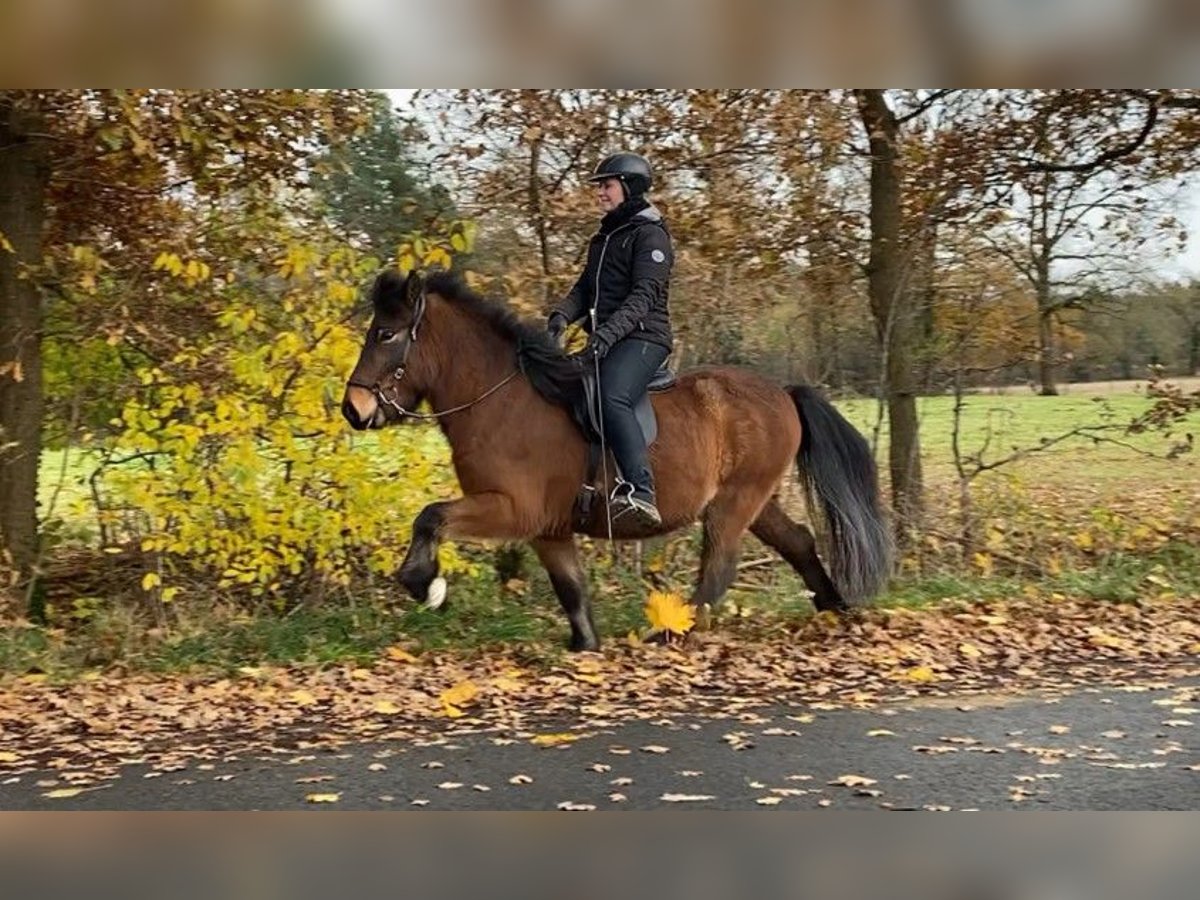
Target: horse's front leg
480	516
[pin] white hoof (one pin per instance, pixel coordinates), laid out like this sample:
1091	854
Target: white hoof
436	595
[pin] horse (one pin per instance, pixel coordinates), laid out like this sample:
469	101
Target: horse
502	391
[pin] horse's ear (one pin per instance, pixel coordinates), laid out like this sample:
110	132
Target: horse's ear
413	285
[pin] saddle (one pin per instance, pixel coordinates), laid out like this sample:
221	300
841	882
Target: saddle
587	414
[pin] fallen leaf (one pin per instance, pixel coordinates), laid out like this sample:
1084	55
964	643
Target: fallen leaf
769	801
921	675
655	748
686	798
376	767
387	707
621	782
302	698
450	785
453	699
553	740
63	793
7	756
1059	729
322	798
853	781
669	612
569	806
520	779
617	798
399	654
880	732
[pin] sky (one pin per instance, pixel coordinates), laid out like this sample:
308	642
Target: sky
1183	265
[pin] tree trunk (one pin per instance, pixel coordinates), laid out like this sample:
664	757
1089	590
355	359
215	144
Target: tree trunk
891	305
1046	353
24	173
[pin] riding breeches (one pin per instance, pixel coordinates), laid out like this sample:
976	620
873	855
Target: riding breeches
624	374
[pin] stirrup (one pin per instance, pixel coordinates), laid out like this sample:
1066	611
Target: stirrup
625	500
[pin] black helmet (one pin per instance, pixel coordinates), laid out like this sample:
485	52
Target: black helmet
633	171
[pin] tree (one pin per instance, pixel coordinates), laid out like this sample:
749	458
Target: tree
91	182
1084	167
892	305
373	188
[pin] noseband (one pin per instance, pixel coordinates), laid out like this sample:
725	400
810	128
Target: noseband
398	374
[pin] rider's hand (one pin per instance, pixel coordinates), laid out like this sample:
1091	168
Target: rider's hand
556	325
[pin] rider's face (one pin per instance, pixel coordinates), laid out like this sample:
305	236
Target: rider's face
610	194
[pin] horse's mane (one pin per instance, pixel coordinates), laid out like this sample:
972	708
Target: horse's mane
553	374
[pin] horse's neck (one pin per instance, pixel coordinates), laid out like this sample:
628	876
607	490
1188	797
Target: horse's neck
471	359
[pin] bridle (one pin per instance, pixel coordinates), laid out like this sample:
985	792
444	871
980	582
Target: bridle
398	374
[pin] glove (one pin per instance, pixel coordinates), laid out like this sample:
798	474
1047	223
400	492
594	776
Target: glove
556	325
596	346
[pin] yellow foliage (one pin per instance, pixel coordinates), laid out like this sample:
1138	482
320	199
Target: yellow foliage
669	612
257	479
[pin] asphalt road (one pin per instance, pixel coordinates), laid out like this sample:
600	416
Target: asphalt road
1110	748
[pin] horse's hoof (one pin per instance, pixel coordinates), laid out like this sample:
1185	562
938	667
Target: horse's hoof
435	595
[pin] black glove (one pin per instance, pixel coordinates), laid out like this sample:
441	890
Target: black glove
556	325
597	346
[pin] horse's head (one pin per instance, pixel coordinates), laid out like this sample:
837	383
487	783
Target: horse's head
382	388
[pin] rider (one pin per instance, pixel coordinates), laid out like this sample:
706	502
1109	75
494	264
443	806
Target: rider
621	296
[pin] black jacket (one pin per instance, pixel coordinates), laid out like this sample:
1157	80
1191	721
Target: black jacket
627	277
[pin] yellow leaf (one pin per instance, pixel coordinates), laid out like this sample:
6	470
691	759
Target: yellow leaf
63	793
150	581
669	612
399	654
302	698
970	651
322	798
553	740
983	562
921	674
387	707
1083	540
587	678
7	757
461	694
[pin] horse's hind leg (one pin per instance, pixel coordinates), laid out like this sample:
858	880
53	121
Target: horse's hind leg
795	543
561	560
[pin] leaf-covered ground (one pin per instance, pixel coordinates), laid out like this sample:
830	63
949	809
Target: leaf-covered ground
85	731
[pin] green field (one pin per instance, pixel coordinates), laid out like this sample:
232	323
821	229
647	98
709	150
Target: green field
1006	422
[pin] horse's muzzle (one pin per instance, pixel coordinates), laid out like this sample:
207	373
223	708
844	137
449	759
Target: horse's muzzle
363	414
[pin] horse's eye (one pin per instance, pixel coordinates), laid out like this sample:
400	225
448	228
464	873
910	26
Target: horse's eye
386	336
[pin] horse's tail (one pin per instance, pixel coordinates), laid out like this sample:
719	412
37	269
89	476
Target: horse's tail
838	470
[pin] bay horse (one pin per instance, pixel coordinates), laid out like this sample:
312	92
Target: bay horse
500	389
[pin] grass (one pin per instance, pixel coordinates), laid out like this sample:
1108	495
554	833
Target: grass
484	614
1012	421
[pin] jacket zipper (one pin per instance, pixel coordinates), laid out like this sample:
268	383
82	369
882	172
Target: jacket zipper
599	268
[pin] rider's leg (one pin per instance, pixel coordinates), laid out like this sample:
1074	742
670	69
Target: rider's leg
624	374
